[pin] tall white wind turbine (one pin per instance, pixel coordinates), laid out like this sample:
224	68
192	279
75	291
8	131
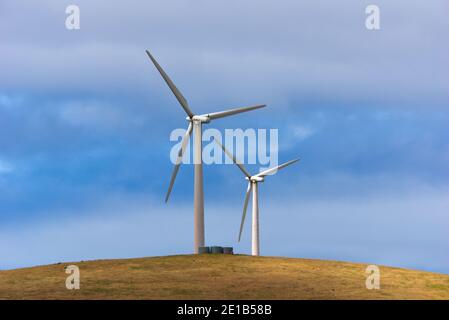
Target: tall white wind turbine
195	124
253	186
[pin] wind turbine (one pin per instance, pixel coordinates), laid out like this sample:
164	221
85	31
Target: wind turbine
253	186
195	124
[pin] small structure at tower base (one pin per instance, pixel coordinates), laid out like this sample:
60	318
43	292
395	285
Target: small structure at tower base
215	250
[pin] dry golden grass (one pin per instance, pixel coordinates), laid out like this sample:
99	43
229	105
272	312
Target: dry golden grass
220	277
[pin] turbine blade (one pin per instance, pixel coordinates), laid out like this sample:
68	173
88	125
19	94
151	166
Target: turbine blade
270	171
172	86
226	113
234	159
245	205
184	142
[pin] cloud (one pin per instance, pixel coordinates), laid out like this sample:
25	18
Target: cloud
382	228
302	132
5	167
97	114
315	50
8	101
406	230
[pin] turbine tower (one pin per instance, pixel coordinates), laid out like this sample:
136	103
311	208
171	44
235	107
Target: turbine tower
195	124
254	187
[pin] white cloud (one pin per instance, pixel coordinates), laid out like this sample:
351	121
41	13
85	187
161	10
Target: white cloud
8	101
399	229
5	167
302	132
294	134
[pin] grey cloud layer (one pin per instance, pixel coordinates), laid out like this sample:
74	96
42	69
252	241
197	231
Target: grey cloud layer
384	229
272	50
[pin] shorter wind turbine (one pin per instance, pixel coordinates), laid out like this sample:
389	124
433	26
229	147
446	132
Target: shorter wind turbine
253	186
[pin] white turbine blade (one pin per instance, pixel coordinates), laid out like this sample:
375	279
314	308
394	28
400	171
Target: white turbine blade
226	113
245	205
172	86
234	159
270	171
184	142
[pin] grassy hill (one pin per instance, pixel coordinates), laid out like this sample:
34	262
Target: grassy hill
220	277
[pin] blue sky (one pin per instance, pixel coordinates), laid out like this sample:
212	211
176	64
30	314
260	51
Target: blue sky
85	121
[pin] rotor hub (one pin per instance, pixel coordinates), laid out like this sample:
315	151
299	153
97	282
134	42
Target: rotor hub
256	179
201	118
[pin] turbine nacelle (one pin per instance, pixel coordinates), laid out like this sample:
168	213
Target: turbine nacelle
201	118
255	179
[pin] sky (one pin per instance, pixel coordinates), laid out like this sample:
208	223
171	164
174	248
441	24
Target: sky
85	121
